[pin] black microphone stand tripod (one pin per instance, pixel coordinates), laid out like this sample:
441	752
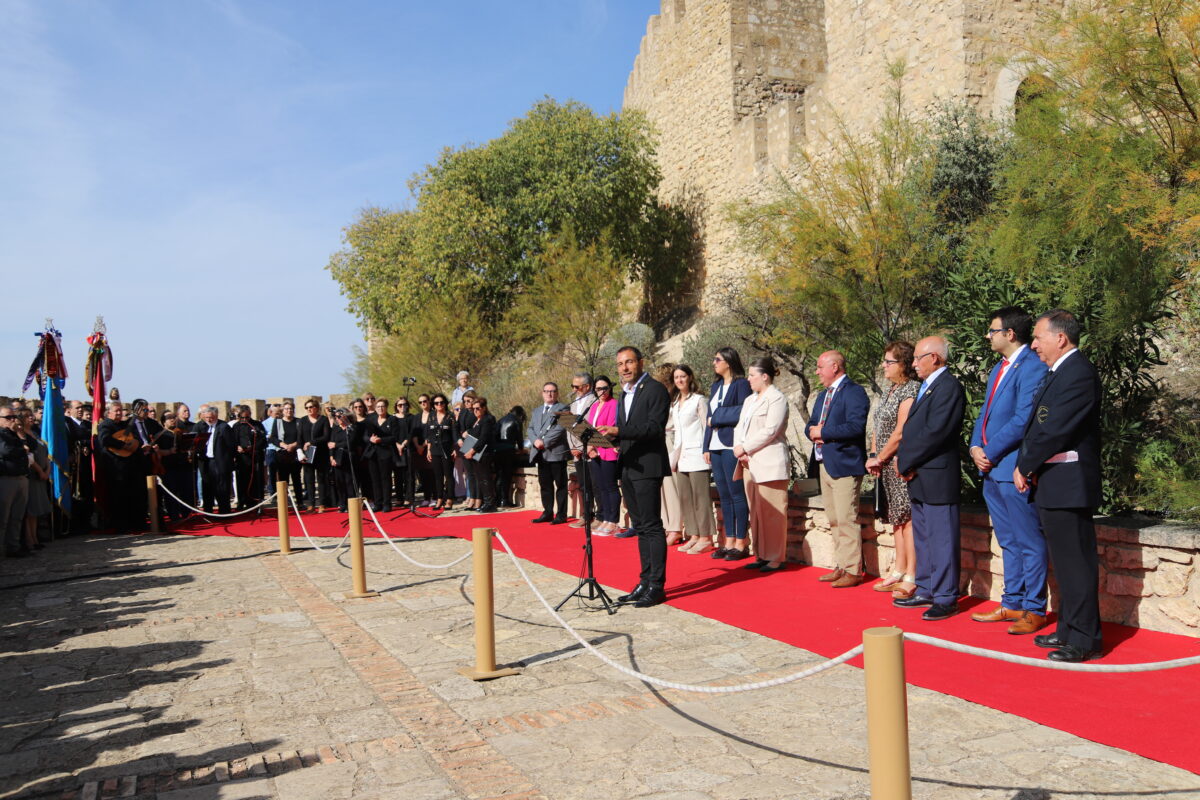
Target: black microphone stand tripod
594	590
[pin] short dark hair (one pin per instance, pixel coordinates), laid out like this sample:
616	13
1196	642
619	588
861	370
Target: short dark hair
1063	321
733	360
1017	320
630	348
765	365
549	383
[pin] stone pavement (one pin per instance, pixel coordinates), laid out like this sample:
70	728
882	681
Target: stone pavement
184	668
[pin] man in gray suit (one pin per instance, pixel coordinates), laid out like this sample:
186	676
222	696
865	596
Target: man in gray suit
548	448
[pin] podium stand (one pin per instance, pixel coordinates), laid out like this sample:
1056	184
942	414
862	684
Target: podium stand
590	437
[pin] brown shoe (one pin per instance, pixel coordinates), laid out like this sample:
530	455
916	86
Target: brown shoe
848	579
997	614
1028	623
829	577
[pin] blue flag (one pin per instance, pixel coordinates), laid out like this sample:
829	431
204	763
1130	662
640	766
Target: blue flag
54	434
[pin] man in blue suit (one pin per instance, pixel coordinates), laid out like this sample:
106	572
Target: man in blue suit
994	446
928	459
838	430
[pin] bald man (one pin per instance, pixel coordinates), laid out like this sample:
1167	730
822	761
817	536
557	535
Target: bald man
838	431
928	459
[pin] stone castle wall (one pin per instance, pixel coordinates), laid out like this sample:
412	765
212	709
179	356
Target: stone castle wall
737	88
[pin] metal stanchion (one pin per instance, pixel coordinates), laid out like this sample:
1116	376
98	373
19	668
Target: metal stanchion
485	630
357	561
152	502
281	509
887	714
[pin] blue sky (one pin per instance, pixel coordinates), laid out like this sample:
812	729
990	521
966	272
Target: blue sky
185	167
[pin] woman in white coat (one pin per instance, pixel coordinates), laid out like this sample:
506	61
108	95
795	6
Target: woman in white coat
760	445
689	470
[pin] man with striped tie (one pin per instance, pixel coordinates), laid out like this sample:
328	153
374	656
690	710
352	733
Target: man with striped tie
995	441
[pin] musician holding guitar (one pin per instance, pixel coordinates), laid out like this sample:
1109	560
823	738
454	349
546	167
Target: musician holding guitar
125	464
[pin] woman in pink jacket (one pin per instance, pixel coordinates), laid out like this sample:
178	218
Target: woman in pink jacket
603	465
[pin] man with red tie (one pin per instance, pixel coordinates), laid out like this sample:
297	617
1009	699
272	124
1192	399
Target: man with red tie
994	447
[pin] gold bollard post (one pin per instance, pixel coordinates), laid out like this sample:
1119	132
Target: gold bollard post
281	509
485	623
887	714
152	502
358	563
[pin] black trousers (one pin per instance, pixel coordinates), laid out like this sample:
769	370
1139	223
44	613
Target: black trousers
552	479
127	498
317	491
402	479
249	479
485	482
288	469
380	471
1071	539
347	486
643	498
506	465
179	479
443	478
214	485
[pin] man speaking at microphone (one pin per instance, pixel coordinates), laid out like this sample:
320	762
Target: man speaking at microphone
640	434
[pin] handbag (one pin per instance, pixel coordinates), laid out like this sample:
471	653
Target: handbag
881	506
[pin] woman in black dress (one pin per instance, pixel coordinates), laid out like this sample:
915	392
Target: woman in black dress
479	458
441	435
380	454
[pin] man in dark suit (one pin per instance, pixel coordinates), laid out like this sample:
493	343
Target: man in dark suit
994	444
216	459
1060	461
548	448
641	431
838	430
928	459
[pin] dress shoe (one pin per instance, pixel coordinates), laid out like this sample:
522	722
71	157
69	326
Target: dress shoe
848	579
1028	623
916	601
768	569
997	614
940	611
559	521
637	592
628	533
733	554
758	564
1050	641
719	553
487	509
1071	654
830	577
542	518
651	597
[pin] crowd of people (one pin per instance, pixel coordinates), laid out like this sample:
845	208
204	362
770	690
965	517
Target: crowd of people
663	443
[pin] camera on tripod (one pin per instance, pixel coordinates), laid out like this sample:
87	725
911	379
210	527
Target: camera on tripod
409	381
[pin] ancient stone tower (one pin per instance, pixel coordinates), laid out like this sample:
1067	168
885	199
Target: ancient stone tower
734	87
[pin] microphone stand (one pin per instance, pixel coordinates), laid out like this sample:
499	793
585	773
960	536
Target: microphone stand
594	590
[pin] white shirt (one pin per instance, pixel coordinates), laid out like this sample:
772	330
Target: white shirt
714	402
1063	358
629	390
212	440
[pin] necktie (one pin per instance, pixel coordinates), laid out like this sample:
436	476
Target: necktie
824	415
921	391
988	405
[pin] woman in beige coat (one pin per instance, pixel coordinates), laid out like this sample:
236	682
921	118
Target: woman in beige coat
760	445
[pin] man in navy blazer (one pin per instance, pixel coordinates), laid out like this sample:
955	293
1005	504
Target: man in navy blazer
838	431
928	459
1060	461
995	440
641	432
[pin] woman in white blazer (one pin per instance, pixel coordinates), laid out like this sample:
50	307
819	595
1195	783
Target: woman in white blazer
689	470
760	445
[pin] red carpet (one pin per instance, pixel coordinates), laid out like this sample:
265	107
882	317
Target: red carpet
1152	714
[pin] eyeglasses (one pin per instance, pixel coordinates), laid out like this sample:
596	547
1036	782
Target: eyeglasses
577	387
993	331
887	362
717	358
439	402
603	388
918	358
549	391
8	416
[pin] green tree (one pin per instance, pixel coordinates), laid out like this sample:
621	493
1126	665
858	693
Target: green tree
484	215
850	251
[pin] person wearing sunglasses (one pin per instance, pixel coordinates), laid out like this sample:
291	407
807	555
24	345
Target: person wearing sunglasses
402	474
603	465
14	485
441	433
314	455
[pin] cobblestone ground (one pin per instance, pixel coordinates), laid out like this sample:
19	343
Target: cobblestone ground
183	668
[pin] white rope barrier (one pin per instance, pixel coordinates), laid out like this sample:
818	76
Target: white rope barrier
312	541
1149	666
406	556
269	499
687	687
